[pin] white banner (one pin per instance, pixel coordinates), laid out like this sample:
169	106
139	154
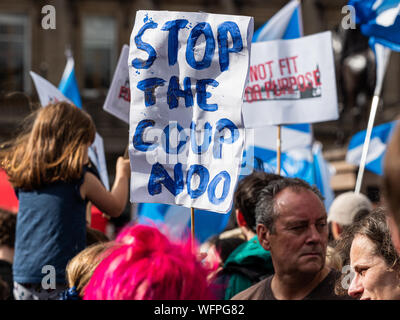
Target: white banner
98	157
187	73
291	81
119	95
48	93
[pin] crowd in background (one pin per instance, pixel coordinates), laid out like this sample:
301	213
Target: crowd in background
281	243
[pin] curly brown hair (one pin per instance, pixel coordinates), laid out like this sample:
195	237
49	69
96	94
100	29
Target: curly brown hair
375	228
8	221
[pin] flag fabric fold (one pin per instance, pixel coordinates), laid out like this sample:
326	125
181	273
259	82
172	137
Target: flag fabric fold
305	162
285	24
379	20
380	136
68	84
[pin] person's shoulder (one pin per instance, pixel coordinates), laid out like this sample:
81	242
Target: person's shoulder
255	292
326	288
248	252
333	276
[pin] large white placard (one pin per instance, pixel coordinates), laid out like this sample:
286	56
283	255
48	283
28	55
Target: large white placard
48	93
291	81
119	95
187	73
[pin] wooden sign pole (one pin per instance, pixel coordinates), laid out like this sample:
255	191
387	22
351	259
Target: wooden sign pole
278	153
192	227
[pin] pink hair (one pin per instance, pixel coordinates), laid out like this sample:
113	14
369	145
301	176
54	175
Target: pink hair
146	265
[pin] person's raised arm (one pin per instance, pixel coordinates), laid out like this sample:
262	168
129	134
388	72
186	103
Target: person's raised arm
111	202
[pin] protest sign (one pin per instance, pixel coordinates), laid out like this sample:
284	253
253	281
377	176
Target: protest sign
48	93
119	95
291	81
187	73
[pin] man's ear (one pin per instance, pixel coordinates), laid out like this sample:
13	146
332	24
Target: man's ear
240	219
263	235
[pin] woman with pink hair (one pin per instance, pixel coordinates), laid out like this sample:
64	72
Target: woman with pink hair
145	265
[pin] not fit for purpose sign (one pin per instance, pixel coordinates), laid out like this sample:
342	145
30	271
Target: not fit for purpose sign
291	81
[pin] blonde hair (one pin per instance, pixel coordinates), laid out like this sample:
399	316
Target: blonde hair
80	268
53	149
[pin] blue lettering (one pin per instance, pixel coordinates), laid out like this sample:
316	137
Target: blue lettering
160	176
206	140
213	185
138	142
166	138
202	172
174	92
203	95
173	28
138	63
148	86
219	138
197	31
223	30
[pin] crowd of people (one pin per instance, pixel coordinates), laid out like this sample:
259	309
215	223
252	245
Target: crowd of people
285	246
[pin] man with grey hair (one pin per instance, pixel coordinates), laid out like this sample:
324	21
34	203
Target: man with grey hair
292	225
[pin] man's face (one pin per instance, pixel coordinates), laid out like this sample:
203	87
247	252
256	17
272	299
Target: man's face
299	242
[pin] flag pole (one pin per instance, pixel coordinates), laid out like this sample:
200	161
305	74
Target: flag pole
382	55
278	153
192	226
374	107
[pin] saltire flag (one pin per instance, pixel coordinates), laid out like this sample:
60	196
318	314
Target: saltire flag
300	158
379	20
68	84
323	172
380	136
285	24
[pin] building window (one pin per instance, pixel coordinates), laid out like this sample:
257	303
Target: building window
15	50
99	53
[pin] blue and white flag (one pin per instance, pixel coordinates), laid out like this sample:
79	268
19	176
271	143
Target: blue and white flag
304	161
323	173
176	220
379	20
68	84
380	136
285	24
